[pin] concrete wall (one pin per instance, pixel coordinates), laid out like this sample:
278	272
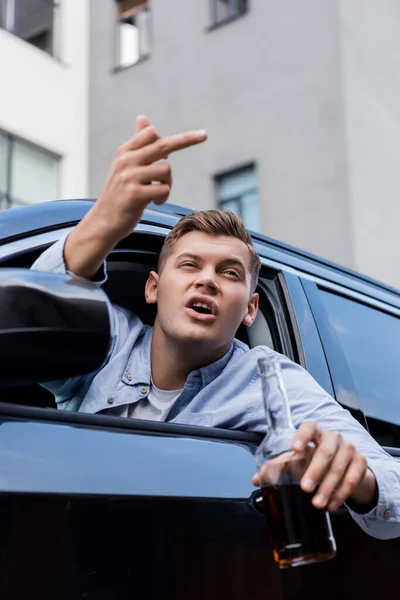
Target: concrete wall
267	87
45	100
371	68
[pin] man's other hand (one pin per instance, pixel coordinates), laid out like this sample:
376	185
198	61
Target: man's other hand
336	471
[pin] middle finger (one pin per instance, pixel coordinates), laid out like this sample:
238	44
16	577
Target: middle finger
164	146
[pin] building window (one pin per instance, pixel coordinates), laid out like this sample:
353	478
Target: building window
133	39
237	191
31	20
28	174
226	10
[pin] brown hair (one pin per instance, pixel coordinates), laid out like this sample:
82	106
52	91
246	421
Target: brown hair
212	222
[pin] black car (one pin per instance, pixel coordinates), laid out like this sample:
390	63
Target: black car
97	507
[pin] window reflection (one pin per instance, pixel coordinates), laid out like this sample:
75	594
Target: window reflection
370	340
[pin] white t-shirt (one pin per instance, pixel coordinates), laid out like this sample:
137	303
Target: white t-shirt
153	408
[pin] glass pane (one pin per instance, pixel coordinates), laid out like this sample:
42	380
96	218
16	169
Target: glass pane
251	211
370	340
129	53
34	19
3	163
232	205
239	189
34	174
226	9
236	183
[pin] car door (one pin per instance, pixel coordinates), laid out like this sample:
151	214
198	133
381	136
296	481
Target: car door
100	507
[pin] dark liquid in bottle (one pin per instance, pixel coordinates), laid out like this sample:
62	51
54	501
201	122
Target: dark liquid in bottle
299	533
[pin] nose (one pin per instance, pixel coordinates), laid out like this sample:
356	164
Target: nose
207	281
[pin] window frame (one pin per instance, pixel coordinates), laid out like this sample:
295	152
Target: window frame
10	201
272	286
117	66
226	173
217	23
8	23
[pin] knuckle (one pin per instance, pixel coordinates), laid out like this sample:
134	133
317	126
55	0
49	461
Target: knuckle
153	133
349	447
122	161
326	451
337	471
335	436
120	150
162	146
362	461
352	480
133	188
166	169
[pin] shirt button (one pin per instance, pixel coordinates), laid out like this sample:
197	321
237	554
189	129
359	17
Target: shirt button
387	514
110	399
129	377
143	389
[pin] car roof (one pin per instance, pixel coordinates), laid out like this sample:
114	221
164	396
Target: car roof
19	222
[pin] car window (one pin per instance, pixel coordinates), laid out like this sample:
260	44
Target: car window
128	267
370	339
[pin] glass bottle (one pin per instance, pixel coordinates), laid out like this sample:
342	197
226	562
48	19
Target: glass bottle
299	533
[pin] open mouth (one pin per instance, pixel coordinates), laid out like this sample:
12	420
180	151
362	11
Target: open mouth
201	308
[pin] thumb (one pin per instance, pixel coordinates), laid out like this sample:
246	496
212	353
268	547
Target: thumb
256	480
141	123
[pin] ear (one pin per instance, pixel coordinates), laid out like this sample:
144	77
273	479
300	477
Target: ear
151	288
252	309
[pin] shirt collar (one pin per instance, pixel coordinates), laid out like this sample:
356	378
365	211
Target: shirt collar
211	372
138	368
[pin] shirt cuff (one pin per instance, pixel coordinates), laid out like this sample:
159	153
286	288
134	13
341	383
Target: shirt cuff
387	508
52	260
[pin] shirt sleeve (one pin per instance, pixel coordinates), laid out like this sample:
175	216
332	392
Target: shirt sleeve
52	260
310	402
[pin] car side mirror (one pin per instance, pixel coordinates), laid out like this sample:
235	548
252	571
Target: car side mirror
52	326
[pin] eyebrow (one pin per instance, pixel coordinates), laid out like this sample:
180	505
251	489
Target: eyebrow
188	255
225	262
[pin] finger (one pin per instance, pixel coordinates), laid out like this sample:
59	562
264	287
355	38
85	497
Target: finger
146	136
334	475
256	480
157	172
141	123
352	478
157	193
306	433
164	146
321	460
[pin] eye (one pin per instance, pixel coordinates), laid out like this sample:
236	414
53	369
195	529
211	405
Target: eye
187	263
232	273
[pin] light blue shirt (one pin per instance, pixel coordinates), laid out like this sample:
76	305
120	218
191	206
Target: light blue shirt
226	394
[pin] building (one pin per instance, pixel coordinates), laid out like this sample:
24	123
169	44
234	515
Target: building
44	100
301	101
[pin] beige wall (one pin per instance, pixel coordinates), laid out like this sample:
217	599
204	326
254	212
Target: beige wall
305	89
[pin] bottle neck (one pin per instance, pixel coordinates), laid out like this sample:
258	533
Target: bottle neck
276	403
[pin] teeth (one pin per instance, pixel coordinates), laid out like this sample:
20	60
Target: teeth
200	305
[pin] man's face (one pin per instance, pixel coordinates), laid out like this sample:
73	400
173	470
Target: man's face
204	290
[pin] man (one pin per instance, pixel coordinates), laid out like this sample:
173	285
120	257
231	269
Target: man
188	368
